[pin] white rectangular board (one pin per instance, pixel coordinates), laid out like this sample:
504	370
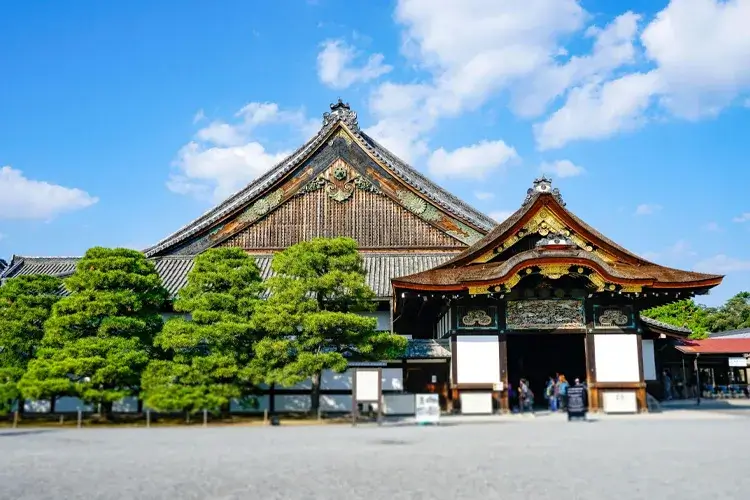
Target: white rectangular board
738	362
427	408
476	403
619	402
367	385
477	359
617	357
649	360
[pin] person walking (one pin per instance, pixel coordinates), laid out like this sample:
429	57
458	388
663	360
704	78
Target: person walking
562	390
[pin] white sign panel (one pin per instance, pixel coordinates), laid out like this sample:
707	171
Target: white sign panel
478	359
427	408
738	362
367	385
476	403
619	402
616	357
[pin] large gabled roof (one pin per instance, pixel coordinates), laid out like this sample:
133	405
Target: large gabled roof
568	246
340	117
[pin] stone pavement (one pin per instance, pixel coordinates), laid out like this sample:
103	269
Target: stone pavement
635	457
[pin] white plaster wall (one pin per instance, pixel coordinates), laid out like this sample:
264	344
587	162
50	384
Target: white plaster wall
305	384
336	402
291	403
616	358
383	317
331	380
478	359
393	379
36	406
649	360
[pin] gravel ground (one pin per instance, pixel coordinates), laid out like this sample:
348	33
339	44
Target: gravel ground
619	458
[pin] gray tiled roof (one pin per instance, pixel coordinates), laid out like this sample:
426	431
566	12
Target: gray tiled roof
416	180
741	333
665	326
380	267
426	349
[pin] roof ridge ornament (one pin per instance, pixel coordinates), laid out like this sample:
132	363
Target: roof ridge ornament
341	111
543	185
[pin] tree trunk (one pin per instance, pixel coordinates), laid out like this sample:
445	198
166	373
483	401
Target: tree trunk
315	393
105	411
20	405
52	402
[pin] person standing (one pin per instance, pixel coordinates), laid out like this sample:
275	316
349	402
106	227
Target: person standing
526	397
562	390
550	393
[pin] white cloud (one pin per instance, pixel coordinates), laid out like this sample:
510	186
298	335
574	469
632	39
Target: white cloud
484	195
712	227
562	169
722	264
200	115
225	157
744	217
337	66
647	208
23	198
470	162
500	215
700	54
598	110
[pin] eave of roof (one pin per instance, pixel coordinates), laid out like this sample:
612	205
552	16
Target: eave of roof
660	325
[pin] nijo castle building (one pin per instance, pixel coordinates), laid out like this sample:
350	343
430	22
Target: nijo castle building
482	304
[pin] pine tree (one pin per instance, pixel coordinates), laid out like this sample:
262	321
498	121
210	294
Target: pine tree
98	340
206	353
25	304
311	319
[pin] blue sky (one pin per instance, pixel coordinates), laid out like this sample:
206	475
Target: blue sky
122	121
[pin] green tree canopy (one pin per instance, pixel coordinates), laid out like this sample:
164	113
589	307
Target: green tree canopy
206	354
684	313
25	304
98	340
734	314
310	317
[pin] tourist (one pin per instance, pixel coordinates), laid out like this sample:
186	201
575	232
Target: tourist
562	391
526	397
667	382
550	394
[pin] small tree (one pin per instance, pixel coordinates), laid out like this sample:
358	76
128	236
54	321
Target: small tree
206	355
98	340
25	304
311	316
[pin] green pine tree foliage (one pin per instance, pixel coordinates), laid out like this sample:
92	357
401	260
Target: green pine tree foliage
310	316
25	304
207	353
734	314
99	339
684	313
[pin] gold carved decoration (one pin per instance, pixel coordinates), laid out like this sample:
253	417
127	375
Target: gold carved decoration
631	288
598	281
339	182
544	222
342	133
554	271
476	317
479	290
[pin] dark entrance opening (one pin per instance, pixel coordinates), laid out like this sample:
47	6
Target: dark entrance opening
539	356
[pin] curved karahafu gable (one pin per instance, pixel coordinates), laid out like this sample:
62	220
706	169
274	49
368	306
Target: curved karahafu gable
562	245
356	182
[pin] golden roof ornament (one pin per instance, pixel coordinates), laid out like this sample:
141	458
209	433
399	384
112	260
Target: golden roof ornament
341	111
543	185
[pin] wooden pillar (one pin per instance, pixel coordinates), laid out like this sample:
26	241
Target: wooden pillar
504	403
640	393
594	403
454	374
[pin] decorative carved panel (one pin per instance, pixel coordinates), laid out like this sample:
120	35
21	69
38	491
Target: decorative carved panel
542	314
614	316
476	318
